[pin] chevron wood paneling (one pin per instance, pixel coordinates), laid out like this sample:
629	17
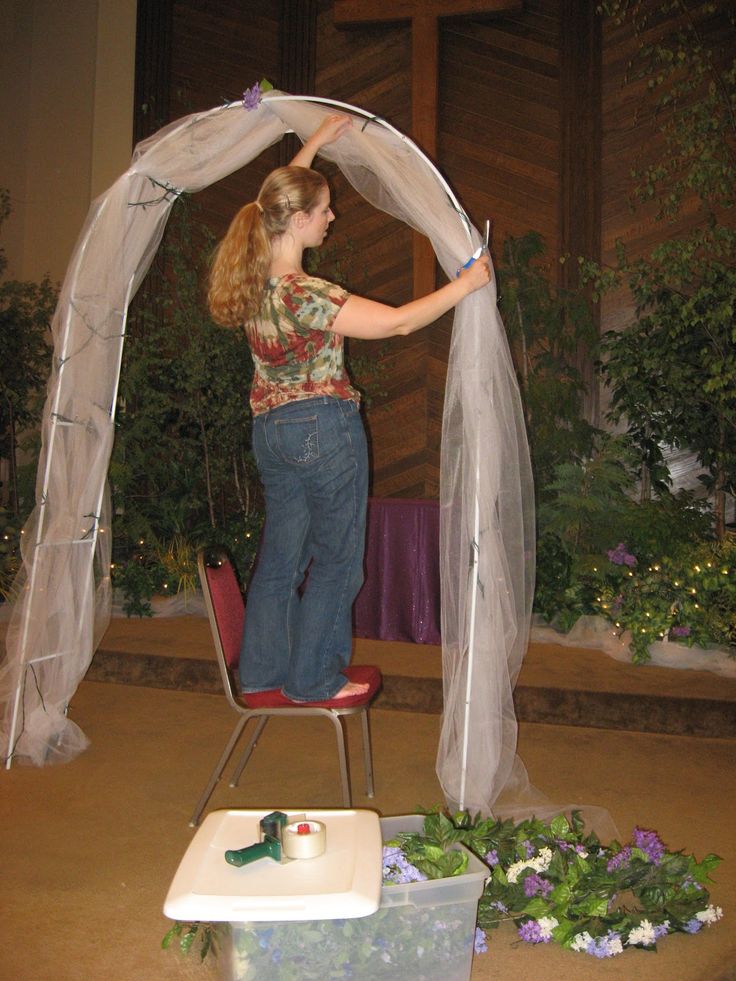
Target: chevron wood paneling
499	118
218	50
499	143
370	67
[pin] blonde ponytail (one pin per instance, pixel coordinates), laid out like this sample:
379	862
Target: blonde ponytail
241	261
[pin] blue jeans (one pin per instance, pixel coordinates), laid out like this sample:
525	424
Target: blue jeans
313	462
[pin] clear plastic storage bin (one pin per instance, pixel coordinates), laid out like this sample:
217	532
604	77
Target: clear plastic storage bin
422	931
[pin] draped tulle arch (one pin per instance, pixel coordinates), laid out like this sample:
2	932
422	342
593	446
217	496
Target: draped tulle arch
486	528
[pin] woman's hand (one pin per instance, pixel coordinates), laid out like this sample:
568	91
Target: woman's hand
477	275
330	129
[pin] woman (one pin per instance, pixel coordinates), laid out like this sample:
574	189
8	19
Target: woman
308	438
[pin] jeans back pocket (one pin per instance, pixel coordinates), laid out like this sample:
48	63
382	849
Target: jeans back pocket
298	439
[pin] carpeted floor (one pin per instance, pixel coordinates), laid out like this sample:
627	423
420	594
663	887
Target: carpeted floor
89	849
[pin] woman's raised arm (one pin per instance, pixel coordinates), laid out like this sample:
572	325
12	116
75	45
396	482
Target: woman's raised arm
330	129
368	319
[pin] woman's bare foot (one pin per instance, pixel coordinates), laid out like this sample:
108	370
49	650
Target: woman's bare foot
351	688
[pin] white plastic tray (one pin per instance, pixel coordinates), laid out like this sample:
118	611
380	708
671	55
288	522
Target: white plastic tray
343	883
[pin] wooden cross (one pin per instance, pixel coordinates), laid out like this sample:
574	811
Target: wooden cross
424	17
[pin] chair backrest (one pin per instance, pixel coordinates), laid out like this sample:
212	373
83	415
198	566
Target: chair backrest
225	608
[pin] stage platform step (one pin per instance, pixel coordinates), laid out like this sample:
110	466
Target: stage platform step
557	685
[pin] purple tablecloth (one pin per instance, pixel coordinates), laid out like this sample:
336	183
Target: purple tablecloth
400	598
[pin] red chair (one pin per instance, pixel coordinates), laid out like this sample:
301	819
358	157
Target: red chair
226	611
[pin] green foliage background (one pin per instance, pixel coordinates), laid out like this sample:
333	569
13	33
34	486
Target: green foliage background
182	473
26	309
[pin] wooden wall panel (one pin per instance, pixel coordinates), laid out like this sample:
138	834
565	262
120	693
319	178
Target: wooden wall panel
631	139
370	67
622	146
498	144
499	118
218	50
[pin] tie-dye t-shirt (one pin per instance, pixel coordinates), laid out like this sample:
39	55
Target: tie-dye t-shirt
295	353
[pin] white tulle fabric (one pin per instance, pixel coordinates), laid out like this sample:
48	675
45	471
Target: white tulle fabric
487	523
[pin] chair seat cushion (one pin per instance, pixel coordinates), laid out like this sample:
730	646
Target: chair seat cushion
361	674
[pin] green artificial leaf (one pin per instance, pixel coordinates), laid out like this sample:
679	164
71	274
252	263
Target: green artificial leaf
594	906
536	907
189	937
439	864
701	870
170	934
559	826
562	894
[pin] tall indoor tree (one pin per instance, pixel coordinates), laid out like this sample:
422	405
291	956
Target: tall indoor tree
672	370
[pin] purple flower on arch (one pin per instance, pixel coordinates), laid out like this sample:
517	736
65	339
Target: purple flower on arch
252	97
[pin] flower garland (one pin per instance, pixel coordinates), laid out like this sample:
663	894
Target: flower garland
552	881
558	884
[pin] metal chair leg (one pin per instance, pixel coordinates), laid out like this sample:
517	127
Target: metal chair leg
251	745
342	755
367	753
217	773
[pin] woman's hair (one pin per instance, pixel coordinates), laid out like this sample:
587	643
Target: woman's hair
242	259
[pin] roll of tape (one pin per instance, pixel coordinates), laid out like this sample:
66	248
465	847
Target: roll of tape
304	839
